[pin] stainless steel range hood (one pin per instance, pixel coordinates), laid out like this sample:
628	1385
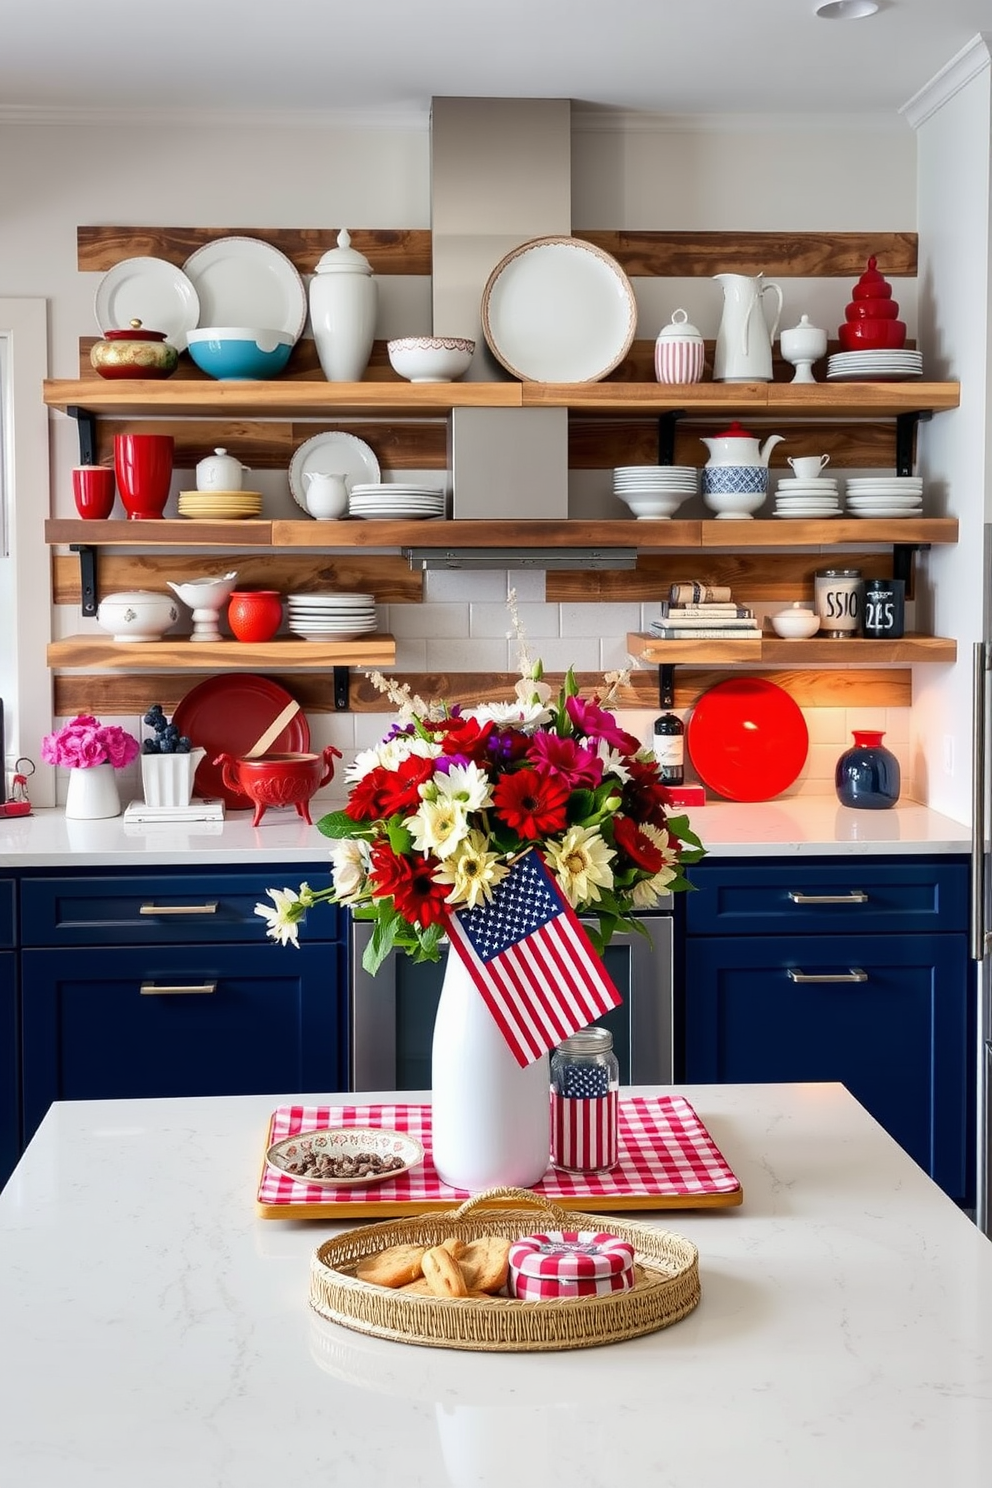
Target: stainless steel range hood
500	175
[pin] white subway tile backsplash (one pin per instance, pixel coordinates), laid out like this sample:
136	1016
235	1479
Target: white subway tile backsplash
559	655
599	620
538	620
467	656
445	585
529	584
429	620
411	655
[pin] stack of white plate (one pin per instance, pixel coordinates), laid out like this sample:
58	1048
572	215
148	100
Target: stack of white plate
654	492
885	496
331	617
220	506
807	500
397	500
874	366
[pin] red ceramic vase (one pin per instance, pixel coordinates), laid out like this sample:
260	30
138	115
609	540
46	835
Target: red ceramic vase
254	614
143	465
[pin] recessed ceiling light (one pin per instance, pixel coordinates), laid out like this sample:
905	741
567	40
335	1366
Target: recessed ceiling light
846	10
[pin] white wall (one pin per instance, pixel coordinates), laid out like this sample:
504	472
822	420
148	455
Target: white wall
639	173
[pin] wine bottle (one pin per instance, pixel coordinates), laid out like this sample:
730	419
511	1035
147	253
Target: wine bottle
669	748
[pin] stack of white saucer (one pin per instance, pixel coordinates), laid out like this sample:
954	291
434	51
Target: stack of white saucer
874	366
885	496
655	492
807	500
331	617
395	501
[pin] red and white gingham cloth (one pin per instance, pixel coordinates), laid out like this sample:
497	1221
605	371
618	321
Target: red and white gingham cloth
665	1151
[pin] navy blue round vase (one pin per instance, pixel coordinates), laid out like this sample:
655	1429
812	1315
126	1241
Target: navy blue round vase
867	774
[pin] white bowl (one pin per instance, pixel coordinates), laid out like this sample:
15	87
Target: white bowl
652	506
430	358
137	615
734	505
795	624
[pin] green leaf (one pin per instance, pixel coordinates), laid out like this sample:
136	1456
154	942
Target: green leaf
400	837
339	824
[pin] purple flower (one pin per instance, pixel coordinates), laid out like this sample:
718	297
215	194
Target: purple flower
595	723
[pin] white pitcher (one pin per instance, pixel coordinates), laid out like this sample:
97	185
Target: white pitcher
326	495
744	342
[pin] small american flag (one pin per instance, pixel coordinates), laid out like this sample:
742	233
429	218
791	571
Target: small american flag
532	961
584	1136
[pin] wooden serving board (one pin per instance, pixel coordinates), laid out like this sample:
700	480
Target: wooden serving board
668	1160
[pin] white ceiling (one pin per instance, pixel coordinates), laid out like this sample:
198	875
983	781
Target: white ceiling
383	57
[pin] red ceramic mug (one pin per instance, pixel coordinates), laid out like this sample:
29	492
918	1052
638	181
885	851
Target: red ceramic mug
143	464
94	489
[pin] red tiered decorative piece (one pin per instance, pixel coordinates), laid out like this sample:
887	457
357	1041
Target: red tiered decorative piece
871	322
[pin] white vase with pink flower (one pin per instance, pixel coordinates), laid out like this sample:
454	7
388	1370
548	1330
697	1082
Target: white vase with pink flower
92	752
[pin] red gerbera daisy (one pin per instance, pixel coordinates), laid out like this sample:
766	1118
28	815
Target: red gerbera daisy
366	800
400	791
409	882
644	796
640	849
532	803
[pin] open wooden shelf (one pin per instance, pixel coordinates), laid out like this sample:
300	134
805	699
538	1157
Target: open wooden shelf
319	399
231	656
604	533
771	649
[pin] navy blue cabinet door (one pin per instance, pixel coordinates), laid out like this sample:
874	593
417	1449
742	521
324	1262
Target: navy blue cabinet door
180	1020
898	1040
9	1067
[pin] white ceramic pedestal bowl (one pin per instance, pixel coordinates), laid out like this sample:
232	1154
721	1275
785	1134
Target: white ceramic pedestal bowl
796	624
734	505
653	508
137	614
430	358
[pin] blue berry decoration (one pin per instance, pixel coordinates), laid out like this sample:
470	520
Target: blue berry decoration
167	739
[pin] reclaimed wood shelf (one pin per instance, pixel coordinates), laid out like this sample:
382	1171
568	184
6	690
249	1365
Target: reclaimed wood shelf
773	650
232	656
602	533
316	399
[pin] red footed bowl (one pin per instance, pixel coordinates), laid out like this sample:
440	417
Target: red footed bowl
279	779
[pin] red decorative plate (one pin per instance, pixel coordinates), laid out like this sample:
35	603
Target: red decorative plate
227	715
747	739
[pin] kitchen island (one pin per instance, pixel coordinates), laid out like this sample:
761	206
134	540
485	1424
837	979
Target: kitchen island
155	1331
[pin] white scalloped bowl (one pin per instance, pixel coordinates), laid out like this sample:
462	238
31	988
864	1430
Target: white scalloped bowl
430	358
795	625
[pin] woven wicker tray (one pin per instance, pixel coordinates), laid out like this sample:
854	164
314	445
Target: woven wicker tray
666	1289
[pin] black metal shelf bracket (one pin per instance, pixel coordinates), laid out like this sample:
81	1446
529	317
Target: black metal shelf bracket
667	423
903	567
86	428
341	680
666	684
906	438
87	576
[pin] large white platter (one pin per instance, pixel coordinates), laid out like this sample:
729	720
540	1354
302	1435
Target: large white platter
558	310
333	453
245	282
151	290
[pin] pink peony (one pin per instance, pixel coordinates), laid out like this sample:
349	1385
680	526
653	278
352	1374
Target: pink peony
84	742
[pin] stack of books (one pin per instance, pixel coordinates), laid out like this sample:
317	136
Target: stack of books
697	612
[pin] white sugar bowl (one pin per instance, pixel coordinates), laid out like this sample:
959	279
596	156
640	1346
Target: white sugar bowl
137	614
679	351
219	472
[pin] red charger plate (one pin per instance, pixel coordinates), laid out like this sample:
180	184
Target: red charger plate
747	739
229	714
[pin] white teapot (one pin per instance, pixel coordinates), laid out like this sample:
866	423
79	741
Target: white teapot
735	446
220	472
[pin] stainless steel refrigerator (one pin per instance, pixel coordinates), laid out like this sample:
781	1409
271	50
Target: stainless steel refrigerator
981	896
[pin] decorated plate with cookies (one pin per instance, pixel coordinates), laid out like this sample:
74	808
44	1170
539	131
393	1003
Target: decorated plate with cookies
345	1156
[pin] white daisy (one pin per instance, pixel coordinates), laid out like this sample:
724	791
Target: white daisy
466	784
349	868
581	863
438	827
472	871
283	921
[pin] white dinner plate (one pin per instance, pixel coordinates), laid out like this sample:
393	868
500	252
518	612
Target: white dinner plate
887	512
151	290
333	453
558	310
245	282
800	516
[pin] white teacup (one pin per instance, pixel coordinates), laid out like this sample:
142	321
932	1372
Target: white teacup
808	467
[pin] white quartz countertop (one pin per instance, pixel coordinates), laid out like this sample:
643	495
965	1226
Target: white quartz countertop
154	1331
803	825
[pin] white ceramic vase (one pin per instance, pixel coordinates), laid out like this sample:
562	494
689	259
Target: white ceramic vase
92	793
343	304
490	1118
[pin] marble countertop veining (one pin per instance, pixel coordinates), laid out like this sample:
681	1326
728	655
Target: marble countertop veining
153	1330
802	825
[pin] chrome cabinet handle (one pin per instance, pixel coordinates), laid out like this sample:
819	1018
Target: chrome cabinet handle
853	896
854	975
159	989
177	909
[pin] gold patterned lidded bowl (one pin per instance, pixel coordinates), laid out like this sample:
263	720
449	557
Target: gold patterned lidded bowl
134	352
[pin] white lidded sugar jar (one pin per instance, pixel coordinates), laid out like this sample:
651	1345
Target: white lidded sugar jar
679	351
219	472
343	303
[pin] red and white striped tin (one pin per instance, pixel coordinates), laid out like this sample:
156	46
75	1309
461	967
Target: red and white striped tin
584	1133
570	1263
679	351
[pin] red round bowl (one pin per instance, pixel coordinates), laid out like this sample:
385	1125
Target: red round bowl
872	335
254	614
279	779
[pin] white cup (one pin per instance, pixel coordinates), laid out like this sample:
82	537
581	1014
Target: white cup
808	467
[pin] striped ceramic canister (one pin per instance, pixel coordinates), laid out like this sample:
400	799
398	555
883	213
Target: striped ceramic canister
679	351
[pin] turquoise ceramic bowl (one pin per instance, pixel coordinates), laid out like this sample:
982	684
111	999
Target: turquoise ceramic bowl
244	352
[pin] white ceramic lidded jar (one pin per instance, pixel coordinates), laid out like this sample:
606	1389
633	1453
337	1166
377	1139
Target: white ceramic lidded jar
679	351
343	304
219	472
